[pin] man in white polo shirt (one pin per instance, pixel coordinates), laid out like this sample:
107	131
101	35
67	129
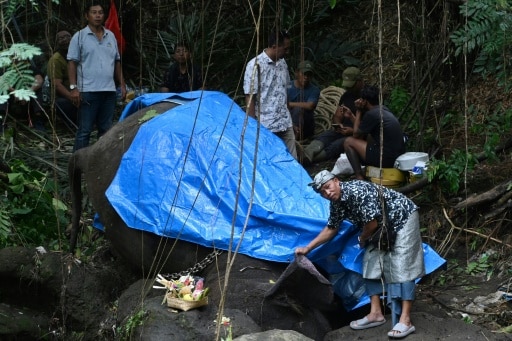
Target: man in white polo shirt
93	62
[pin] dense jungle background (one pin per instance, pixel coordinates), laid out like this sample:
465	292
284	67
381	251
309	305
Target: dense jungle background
443	66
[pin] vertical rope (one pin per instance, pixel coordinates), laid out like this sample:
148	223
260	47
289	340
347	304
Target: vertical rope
381	133
399	22
381	71
466	90
301	58
140	44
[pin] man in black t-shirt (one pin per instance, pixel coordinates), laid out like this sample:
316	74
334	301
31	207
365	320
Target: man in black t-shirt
183	75
363	147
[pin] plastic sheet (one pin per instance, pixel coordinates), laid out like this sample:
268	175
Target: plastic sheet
205	173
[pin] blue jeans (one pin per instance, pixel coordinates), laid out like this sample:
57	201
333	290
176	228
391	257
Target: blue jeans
96	108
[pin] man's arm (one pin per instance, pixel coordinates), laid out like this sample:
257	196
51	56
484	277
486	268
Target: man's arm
356	119
367	232
60	89
75	94
55	74
118	71
343	112
324	236
72	72
302	105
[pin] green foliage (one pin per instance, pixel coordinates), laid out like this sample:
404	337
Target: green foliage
11	6
17	73
397	102
450	172
398	99
18	52
322	46
223	48
125	331
480	266
491	125
467	319
457	273
222	43
148	115
5	225
30	213
486	32
451	118
452	275
330	54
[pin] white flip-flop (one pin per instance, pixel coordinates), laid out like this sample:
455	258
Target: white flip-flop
401	330
364	323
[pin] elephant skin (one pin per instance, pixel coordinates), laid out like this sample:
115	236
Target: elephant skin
98	164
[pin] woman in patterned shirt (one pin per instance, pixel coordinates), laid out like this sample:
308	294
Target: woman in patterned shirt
362	203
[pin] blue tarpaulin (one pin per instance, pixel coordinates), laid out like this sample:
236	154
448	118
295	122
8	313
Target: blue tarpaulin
207	174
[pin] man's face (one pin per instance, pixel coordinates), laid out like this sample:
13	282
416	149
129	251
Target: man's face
331	190
283	50
181	54
63	39
304	78
95	16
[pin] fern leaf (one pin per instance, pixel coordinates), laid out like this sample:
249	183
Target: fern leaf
24	94
5	226
20	51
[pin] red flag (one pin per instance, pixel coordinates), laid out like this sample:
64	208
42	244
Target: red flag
112	24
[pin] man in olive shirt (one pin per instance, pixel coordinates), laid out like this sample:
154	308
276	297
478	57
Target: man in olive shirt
59	80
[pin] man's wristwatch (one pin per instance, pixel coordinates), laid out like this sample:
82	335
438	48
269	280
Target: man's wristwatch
72	86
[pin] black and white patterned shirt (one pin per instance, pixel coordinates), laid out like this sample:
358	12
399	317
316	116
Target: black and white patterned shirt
360	203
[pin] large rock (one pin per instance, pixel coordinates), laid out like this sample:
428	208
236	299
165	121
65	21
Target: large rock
274	335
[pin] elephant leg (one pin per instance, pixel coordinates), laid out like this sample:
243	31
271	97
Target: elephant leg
75	177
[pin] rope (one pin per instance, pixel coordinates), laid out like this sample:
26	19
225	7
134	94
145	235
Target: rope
326	107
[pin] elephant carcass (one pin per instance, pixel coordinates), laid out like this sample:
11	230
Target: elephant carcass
249	280
99	163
